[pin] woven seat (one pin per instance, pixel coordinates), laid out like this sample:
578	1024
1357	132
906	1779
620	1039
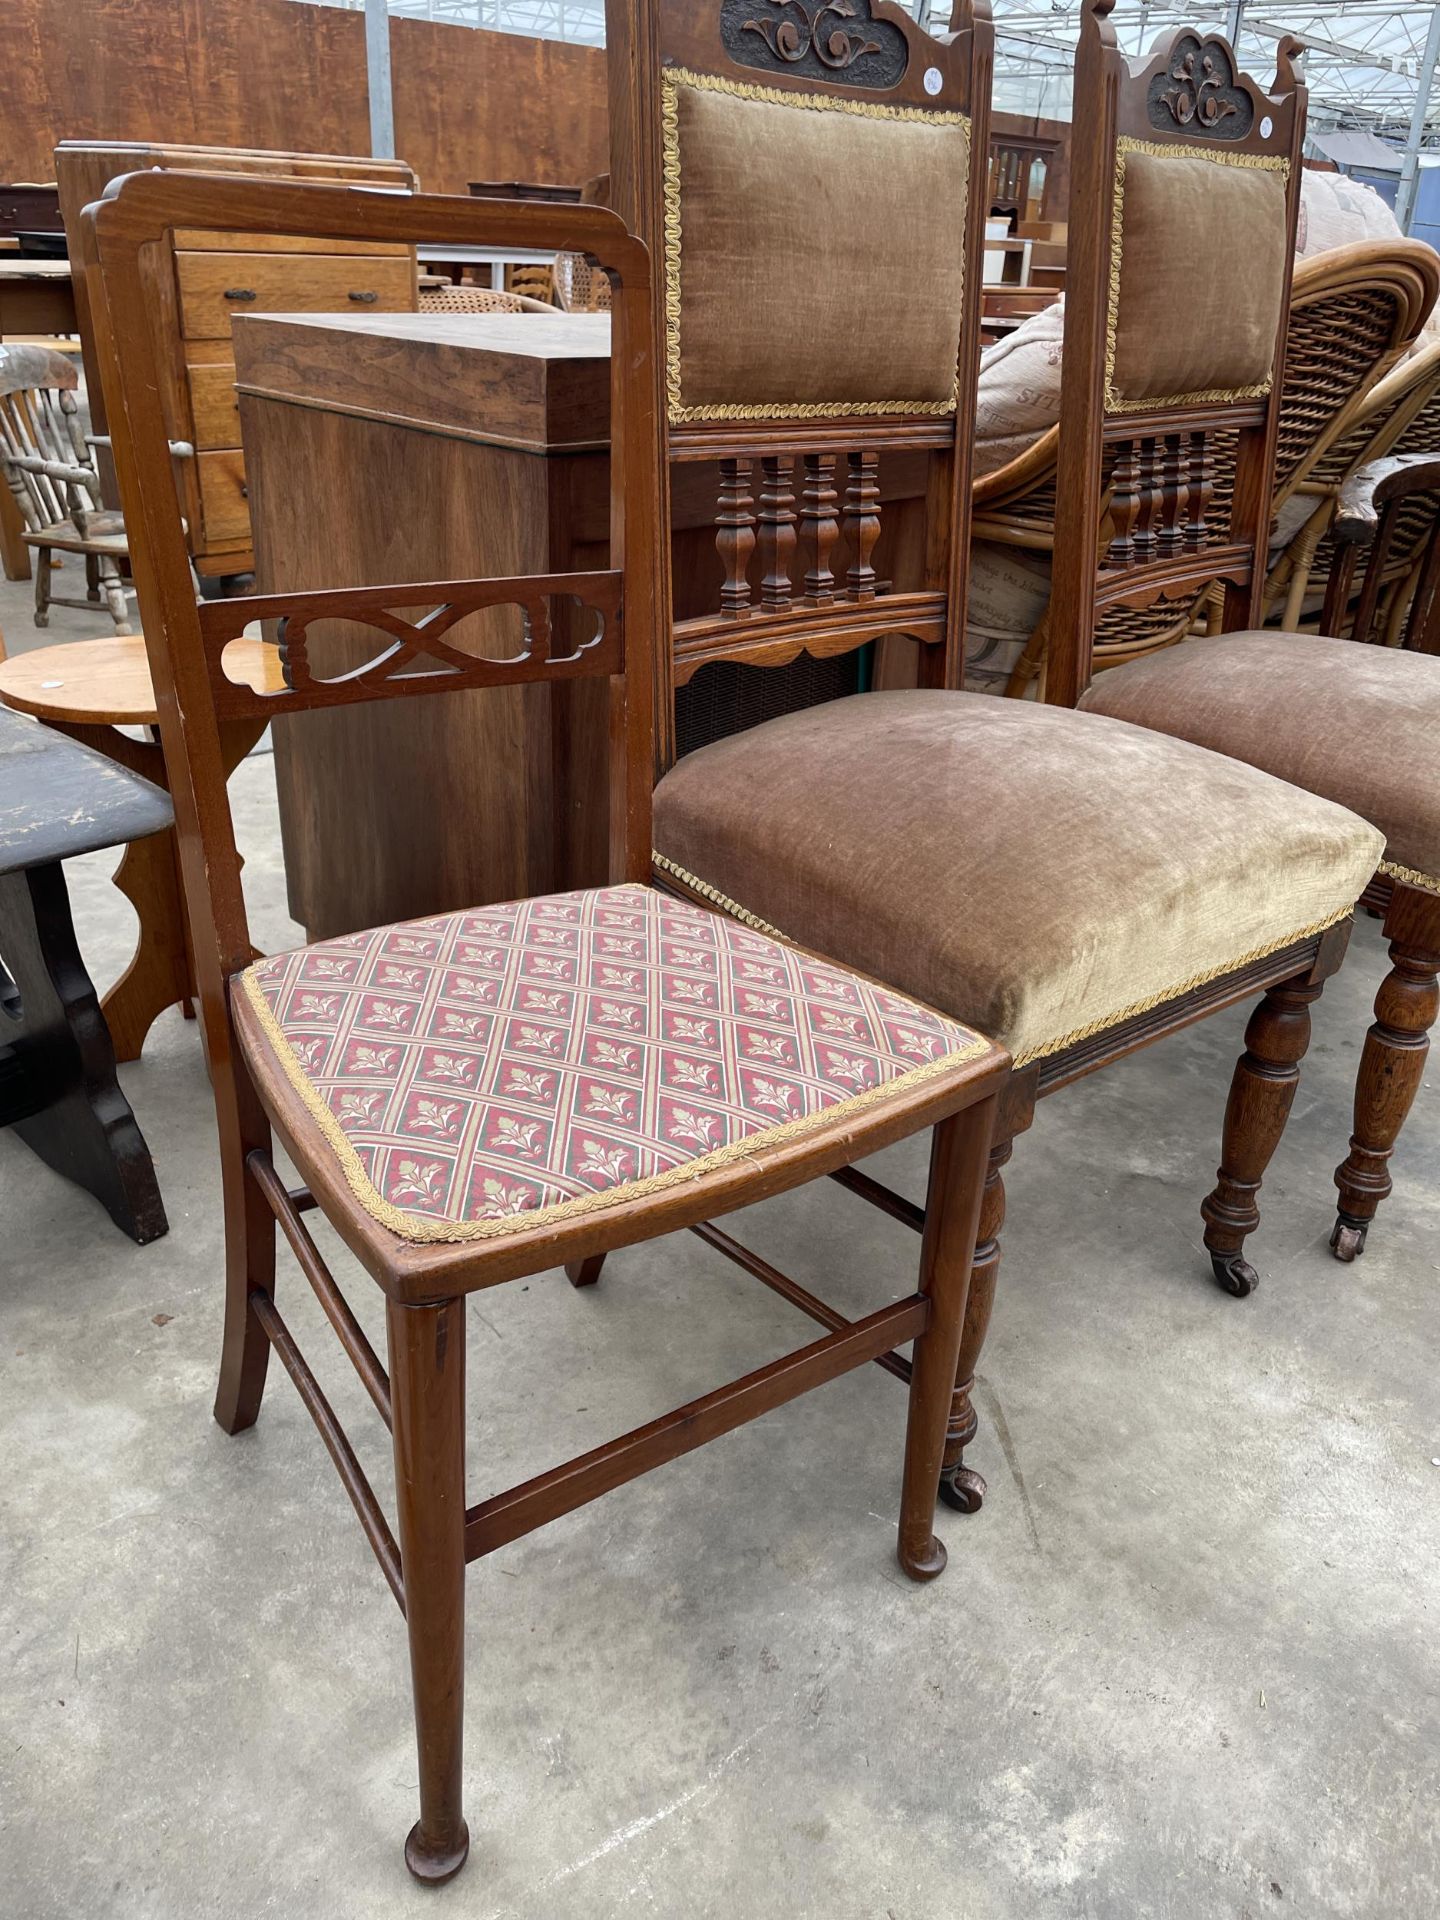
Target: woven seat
484	1071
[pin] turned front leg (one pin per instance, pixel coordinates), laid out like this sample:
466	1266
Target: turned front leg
427	1387
1392	1065
1261	1095
960	1486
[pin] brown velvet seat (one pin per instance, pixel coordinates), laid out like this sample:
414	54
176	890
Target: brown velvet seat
1136	866
1359	725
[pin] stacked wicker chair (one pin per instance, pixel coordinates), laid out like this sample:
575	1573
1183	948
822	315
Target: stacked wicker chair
453	299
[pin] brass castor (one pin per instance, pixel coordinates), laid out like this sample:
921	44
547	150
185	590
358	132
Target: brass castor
964	1490
1235	1274
1347	1242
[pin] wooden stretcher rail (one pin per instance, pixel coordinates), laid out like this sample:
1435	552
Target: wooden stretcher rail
352	1477
509	1515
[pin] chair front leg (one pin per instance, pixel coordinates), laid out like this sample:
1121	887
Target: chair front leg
42	586
427	1387
1392	1065
1261	1095
960	1486
958	1153
114	590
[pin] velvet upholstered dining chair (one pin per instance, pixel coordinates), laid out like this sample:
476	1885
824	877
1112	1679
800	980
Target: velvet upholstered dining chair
1073	890
483	1095
1186	133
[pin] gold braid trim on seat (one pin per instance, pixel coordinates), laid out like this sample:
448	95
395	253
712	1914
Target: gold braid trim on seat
417	1227
1266	163
718	899
671	81
731	908
1409	876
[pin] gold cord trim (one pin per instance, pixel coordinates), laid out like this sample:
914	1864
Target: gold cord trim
713	894
731	908
422	1228
1409	876
1174	993
1214	396
679	413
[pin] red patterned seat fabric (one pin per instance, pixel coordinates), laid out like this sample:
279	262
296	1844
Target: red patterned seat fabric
484	1071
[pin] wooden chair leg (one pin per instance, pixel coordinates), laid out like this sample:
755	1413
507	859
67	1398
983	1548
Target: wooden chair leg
427	1386
113	588
960	1486
1261	1094
958	1175
249	1269
1392	1065
42	586
584	1273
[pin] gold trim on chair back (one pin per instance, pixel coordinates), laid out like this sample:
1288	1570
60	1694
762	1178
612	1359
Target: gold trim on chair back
806	177
1184	198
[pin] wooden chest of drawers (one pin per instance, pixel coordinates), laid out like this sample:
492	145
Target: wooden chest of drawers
210	277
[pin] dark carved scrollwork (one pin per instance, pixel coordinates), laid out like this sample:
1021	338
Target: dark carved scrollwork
1198	89
816	41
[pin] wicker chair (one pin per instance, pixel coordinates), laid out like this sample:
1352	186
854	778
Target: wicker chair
1354	312
578	288
1401	415
448	298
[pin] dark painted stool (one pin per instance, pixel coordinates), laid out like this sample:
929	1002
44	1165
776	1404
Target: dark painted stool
58	1088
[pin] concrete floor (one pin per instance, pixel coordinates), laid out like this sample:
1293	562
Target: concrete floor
1183	1664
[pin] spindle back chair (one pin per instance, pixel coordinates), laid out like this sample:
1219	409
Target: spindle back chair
1356	725
757	156
54	480
967	849
485	1095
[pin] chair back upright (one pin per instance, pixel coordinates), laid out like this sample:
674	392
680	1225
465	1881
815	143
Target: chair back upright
200	686
1184	199
42	445
811	185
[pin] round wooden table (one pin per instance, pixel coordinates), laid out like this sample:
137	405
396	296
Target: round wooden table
88	689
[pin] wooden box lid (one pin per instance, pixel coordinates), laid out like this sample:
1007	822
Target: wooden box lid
536	382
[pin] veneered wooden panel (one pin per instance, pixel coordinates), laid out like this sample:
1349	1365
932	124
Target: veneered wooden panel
214	287
197	240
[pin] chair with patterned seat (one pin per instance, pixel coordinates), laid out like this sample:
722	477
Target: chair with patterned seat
1074	890
485	1095
1357	725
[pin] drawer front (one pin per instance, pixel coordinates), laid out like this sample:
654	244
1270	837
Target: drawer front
224	510
214	287
198	240
214	404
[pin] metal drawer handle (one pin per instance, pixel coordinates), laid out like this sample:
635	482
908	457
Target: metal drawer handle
365	299
239	293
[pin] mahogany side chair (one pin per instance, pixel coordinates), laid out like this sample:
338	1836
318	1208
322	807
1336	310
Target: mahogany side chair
484	1095
1071	890
1158	364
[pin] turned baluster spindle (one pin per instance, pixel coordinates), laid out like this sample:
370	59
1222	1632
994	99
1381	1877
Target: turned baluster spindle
777	531
1168	535
861	522
735	535
819	528
1201	488
1147	492
1124	506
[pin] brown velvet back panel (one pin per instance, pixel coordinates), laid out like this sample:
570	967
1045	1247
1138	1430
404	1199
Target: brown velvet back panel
1181	330
774	313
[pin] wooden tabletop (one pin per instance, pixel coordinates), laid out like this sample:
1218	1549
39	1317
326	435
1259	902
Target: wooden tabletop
17	267
106	683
